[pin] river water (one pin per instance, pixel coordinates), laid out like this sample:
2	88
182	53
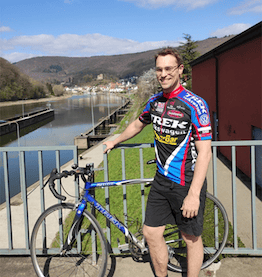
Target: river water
73	116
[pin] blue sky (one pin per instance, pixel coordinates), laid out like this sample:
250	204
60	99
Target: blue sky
83	28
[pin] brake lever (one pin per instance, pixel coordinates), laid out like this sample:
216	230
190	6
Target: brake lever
45	183
53	172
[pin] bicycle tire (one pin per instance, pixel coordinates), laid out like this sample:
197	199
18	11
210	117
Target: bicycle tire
214	237
49	233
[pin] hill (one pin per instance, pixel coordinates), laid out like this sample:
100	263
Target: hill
81	69
15	85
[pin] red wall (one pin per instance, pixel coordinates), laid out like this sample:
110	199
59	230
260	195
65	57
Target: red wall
239	94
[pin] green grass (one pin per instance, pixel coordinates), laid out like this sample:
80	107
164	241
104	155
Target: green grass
133	192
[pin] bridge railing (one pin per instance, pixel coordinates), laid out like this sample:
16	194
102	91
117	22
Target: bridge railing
242	200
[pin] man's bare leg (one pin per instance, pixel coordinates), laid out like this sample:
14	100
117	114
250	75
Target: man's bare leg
194	254
157	248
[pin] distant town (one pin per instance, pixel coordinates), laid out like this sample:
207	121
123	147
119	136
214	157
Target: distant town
122	85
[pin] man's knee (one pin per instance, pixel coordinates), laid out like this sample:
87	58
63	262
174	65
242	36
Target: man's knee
190	238
153	233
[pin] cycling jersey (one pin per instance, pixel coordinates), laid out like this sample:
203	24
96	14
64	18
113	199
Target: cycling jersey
179	119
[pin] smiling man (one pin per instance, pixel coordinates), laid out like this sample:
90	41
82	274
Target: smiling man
181	124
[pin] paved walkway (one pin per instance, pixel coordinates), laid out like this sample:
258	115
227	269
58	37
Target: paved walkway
125	267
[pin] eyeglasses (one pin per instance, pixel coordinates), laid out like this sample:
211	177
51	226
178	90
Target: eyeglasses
168	69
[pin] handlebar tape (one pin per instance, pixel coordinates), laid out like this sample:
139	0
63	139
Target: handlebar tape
54	176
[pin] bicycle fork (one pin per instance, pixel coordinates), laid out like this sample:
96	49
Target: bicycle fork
75	229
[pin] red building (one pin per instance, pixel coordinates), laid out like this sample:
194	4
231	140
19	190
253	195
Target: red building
229	78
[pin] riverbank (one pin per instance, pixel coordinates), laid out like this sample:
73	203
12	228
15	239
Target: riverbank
30	101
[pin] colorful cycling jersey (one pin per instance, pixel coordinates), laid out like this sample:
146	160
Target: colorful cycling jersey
179	118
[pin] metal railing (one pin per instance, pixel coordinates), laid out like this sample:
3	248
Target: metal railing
229	200
11	249
217	171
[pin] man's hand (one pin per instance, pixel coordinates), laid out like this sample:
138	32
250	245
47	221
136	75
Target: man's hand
109	146
190	206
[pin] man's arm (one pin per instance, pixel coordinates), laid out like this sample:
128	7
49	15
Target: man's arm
191	202
133	129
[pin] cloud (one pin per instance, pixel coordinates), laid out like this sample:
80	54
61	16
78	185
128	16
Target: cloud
189	4
16	48
5	29
231	30
247	6
16	56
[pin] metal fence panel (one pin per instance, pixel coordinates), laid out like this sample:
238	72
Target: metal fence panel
255	216
11	248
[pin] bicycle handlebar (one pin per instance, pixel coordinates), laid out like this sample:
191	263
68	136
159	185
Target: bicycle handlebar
54	175
77	171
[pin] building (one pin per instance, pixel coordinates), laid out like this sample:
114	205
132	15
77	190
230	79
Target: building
229	78
100	77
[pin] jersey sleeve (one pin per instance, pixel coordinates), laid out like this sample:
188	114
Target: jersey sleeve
145	115
201	121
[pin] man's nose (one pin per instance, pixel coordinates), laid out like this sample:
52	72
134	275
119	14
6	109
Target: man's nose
163	73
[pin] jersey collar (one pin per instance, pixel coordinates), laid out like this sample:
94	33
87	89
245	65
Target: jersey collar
174	93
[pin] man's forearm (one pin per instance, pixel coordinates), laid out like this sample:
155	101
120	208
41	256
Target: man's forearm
133	129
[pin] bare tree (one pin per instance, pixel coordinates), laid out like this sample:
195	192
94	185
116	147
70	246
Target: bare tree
148	85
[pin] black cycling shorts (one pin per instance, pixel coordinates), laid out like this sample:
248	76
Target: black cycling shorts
164	202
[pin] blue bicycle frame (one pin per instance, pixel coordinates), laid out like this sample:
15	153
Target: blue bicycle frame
88	198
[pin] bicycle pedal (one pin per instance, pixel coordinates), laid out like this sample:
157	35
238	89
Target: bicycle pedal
122	247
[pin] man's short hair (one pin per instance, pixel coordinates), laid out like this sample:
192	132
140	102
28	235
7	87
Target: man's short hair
169	51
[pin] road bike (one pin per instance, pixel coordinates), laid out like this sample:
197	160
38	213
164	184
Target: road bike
67	239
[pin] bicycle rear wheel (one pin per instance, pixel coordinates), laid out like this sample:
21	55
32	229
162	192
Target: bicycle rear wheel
214	236
88	254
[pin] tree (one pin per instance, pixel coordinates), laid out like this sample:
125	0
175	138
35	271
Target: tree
58	90
188	54
148	85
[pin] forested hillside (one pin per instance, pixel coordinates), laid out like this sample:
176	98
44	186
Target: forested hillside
15	86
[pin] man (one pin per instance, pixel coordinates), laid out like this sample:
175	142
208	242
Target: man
183	150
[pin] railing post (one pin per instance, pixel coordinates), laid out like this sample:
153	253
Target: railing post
142	185
234	189
253	198
124	186
214	170
8	204
24	196
108	231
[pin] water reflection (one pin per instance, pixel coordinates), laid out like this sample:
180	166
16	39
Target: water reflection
73	116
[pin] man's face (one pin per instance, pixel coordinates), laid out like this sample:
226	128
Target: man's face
168	72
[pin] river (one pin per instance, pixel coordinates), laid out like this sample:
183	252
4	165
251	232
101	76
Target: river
73	116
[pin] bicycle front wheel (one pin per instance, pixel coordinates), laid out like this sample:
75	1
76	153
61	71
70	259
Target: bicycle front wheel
214	237
86	257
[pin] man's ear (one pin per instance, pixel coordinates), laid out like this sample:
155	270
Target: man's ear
180	70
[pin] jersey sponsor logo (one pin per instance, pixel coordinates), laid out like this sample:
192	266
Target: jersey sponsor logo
204	119
171	106
180	107
165	122
196	102
176	114
172	132
193	154
166	139
159	106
